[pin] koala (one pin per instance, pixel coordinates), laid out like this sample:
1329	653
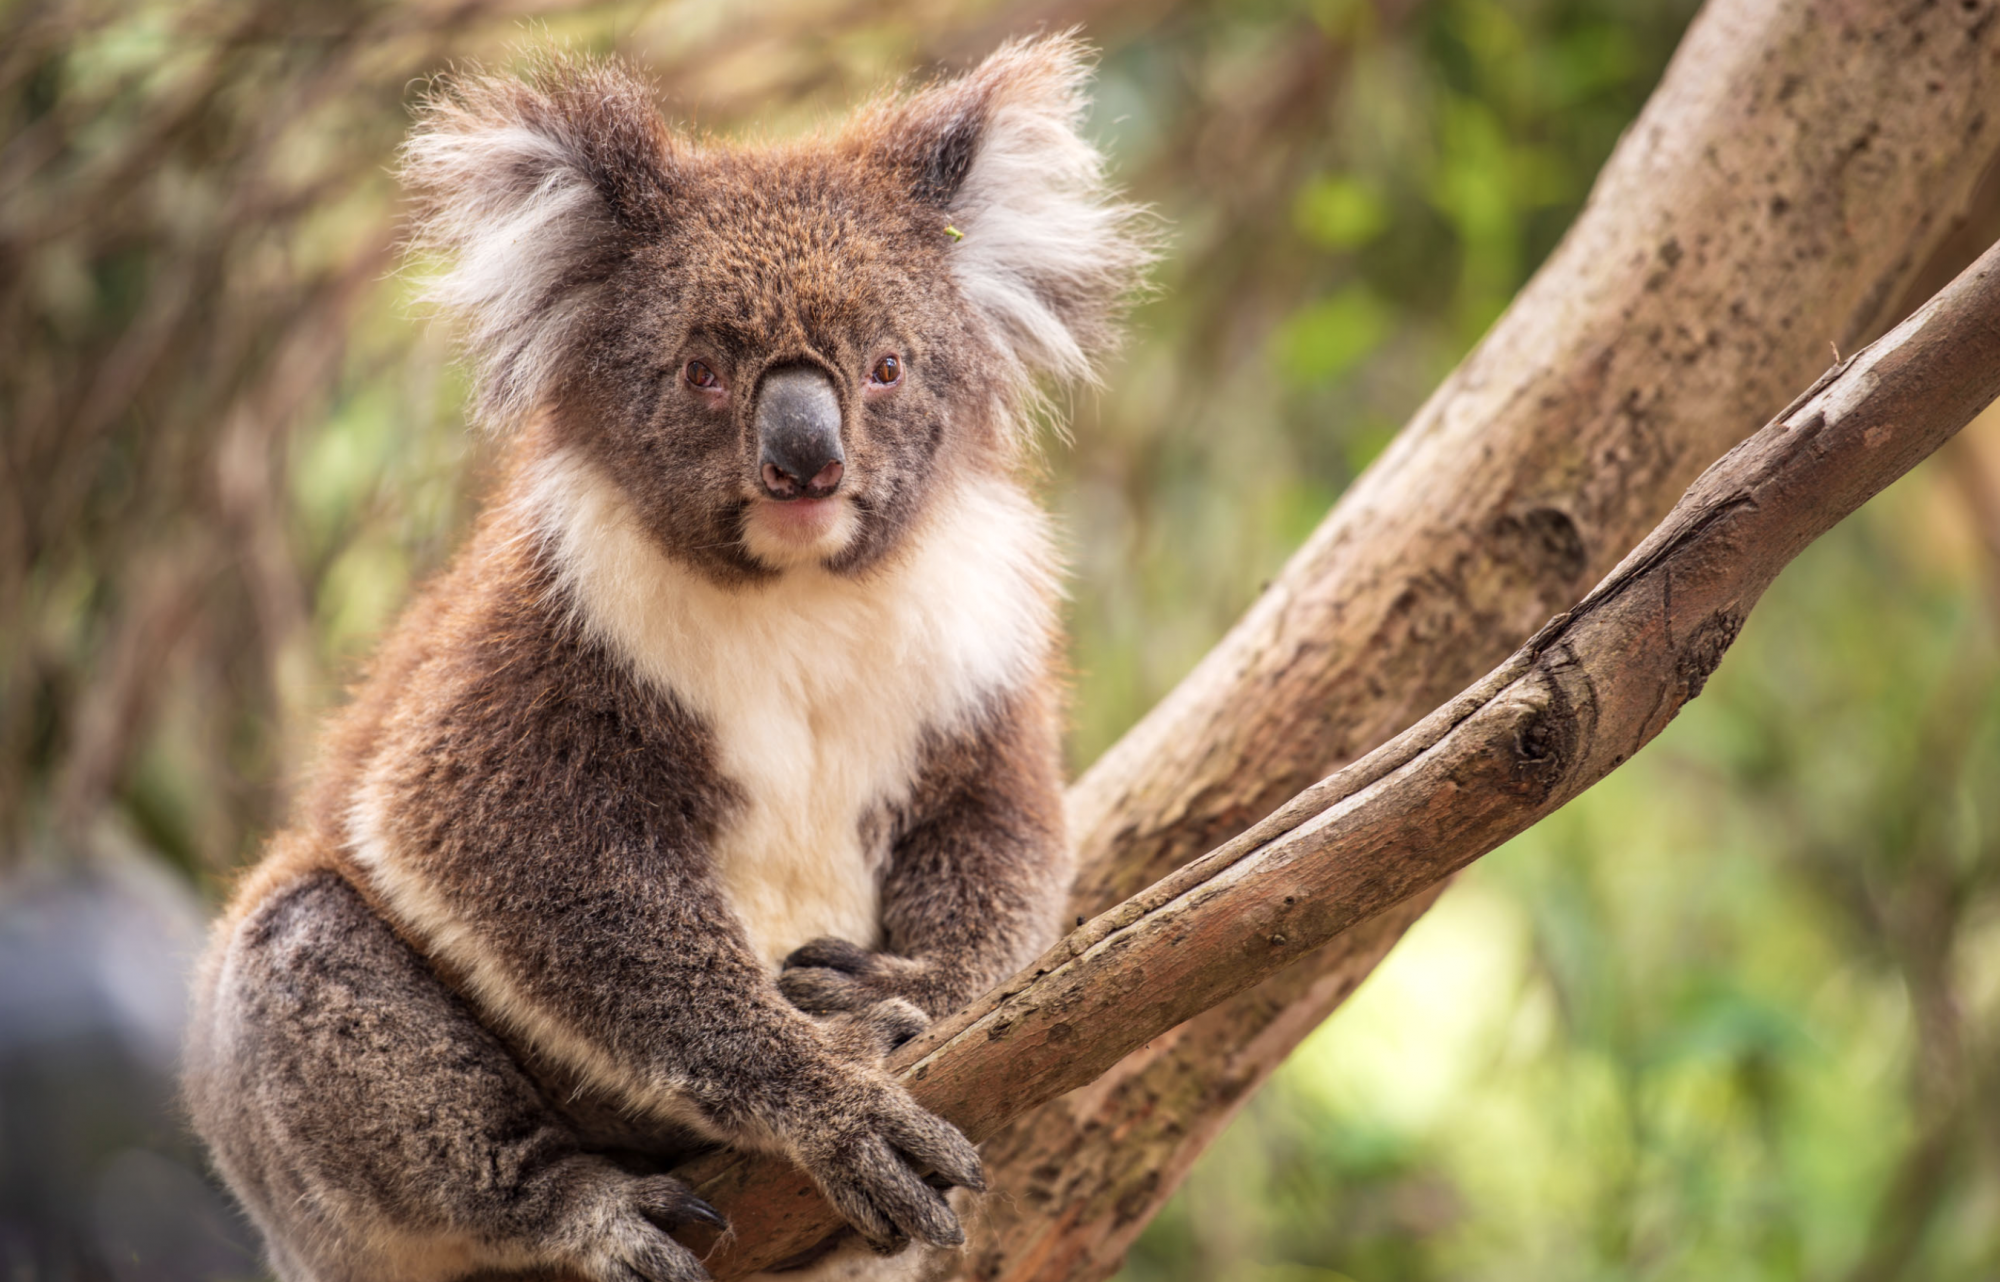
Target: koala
724	756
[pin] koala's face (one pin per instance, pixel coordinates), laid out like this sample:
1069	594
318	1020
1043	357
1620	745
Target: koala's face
786	356
785	376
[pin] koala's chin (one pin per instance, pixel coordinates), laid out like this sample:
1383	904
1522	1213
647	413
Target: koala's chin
790	534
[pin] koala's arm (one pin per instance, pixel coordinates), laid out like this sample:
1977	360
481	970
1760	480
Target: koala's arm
978	876
544	837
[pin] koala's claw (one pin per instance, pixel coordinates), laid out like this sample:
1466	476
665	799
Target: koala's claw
871	1174
666	1202
875	1190
938	1144
628	1239
873	1032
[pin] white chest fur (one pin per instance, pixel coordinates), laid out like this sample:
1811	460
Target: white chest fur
818	688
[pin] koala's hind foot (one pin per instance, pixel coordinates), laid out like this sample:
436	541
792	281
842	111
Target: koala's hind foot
378	1133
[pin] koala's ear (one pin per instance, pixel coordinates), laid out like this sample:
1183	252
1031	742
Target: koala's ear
532	190
1046	255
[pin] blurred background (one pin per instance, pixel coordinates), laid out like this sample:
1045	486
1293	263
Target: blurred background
1733	1014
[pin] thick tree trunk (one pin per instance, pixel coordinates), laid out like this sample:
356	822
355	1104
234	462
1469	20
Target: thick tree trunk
1787	181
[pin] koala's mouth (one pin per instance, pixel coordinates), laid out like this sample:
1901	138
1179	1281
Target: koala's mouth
783	533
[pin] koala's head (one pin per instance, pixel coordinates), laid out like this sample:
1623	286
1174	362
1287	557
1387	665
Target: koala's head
783	354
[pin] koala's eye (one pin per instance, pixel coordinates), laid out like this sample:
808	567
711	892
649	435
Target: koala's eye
700	375
887	372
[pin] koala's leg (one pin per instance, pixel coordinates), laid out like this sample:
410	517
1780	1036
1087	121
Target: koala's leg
378	1133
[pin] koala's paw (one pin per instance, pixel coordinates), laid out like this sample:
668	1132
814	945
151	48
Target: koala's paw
872	1032
867	1152
829	975
624	1234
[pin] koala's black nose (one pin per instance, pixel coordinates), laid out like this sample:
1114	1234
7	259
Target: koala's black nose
798	434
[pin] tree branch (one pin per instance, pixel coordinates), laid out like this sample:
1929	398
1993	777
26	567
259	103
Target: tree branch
1578	700
1782	189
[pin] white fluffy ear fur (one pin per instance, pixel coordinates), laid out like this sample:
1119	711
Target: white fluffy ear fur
529	191
1047	255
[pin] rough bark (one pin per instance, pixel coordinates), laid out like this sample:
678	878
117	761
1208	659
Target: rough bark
1590	689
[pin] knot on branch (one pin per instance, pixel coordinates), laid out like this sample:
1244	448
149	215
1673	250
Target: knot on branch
1545	741
1545	542
1702	653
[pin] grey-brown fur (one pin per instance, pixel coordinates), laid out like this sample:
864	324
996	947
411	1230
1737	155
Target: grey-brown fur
494	979
388	1104
985	792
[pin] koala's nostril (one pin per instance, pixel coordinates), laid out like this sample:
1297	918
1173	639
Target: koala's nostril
827	477
778	483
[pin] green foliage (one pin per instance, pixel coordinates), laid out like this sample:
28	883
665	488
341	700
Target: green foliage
1340	212
1325	339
